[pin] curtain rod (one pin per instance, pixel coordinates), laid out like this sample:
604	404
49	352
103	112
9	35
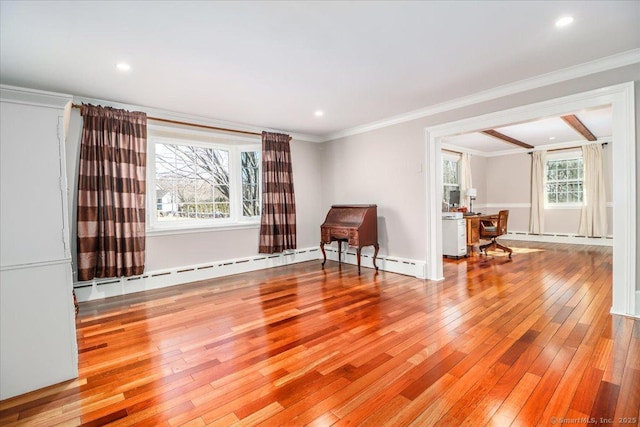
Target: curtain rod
450	151
176	122
567	148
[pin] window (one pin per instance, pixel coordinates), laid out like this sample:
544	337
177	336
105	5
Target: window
450	178
198	183
250	183
564	181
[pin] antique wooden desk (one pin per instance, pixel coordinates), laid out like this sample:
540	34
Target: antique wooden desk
355	224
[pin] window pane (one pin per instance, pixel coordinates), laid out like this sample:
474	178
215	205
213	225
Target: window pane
250	178
249	159
188	181
222	210
202	190
205	210
564	181
449	171
250	208
562	174
574	197
221	193
219	165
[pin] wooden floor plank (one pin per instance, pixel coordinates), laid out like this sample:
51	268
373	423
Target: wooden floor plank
521	341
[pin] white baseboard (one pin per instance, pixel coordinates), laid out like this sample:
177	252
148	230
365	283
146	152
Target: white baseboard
638	304
408	267
104	288
558	238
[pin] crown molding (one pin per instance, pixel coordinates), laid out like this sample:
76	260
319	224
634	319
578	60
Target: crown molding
623	59
28	96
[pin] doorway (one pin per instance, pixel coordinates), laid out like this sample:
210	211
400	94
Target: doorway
621	98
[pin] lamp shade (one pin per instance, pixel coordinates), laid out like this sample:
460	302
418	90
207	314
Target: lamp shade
472	192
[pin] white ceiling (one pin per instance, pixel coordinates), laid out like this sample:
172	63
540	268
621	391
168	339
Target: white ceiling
272	64
548	133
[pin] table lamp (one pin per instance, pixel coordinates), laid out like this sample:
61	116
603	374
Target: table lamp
471	194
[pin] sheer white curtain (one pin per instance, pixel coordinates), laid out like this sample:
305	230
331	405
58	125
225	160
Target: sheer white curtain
593	221
466	180
538	161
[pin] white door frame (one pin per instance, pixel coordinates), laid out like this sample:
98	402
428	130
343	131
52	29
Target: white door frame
621	97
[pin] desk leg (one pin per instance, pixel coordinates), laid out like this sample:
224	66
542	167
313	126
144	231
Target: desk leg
358	254
324	255
339	252
375	254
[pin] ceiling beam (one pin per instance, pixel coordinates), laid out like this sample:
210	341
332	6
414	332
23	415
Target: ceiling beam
577	125
506	138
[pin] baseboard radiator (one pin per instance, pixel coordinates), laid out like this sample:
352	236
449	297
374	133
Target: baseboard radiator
408	267
558	238
105	288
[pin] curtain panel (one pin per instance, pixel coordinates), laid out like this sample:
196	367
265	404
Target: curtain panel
538	163
466	179
111	193
278	221
593	219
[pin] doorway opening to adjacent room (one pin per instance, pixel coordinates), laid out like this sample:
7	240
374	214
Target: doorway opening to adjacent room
621	98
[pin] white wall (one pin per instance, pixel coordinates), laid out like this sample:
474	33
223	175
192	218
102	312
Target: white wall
514	194
185	249
357	172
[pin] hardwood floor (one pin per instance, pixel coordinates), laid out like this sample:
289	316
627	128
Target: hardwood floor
523	342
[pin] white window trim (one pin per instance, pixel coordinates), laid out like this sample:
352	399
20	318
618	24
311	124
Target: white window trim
452	158
562	155
235	147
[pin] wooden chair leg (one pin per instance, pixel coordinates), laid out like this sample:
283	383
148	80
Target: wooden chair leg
504	248
486	247
494	244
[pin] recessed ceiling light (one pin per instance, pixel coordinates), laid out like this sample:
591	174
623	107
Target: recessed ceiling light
319	113
564	21
123	66
552	138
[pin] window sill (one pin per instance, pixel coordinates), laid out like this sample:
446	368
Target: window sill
189	229
567	206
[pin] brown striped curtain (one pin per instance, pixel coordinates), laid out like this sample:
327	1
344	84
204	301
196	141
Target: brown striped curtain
278	222
111	193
